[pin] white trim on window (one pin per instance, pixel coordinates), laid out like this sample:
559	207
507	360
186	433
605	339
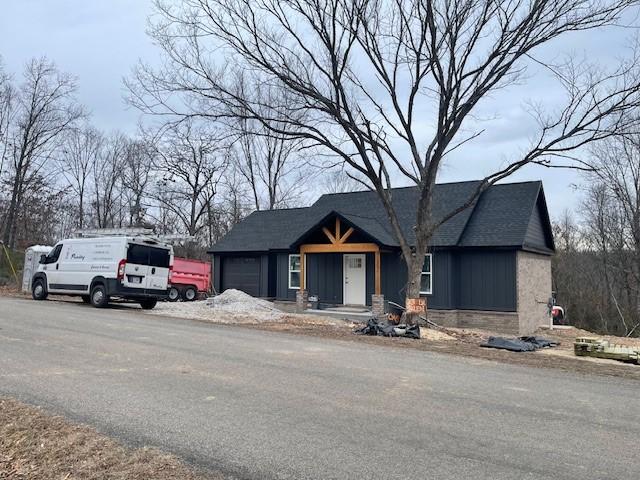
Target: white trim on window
293	270
429	274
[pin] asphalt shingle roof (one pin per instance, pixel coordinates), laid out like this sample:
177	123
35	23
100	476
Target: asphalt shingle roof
500	217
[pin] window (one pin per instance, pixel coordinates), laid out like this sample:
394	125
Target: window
426	277
355	262
294	271
152	256
54	255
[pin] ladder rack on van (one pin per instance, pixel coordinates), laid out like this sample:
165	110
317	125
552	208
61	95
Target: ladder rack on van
113	232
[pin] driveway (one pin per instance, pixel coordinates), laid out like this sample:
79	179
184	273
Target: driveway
268	405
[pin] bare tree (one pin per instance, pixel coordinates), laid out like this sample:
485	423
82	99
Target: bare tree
191	162
46	109
362	70
613	218
271	162
7	100
339	181
80	154
137	176
107	171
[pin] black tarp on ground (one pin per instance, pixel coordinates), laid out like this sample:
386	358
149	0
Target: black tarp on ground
384	329
522	344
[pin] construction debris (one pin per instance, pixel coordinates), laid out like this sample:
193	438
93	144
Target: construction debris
521	344
599	348
385	329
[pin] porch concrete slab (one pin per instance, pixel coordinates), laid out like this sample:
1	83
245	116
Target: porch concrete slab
358	317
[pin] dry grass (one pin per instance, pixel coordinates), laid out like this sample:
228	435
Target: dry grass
35	445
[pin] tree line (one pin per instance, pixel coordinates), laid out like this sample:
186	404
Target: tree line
59	173
596	269
258	91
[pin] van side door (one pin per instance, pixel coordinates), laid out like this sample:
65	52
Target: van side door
52	269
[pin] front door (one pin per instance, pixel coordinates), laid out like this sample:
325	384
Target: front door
354	279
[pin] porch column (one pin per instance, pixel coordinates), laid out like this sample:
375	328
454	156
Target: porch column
302	300
378	277
302	296
377	306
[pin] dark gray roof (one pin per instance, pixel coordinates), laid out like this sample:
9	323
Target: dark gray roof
499	218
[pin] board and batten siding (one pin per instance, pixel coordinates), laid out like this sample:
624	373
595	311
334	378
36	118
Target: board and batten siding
394	279
536	231
469	280
486	280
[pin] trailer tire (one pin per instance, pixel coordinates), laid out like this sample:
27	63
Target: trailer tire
174	294
189	294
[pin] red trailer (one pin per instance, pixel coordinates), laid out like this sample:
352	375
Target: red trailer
189	277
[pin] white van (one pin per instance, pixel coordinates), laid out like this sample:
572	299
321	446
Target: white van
99	269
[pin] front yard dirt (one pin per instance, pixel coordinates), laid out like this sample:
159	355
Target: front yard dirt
467	342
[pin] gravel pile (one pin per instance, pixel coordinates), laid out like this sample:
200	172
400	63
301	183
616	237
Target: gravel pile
232	306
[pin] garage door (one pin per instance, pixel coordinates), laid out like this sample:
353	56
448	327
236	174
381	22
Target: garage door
241	273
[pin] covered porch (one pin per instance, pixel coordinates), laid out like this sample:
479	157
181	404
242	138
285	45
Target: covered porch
339	268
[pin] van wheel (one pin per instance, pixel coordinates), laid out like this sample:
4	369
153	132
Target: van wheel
38	290
99	297
148	303
85	298
174	294
189	294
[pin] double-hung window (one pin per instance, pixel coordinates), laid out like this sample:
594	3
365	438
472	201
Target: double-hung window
294	271
426	278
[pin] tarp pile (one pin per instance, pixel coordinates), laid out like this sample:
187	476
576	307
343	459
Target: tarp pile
520	344
385	329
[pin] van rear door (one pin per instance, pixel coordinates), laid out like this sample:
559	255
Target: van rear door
137	266
158	270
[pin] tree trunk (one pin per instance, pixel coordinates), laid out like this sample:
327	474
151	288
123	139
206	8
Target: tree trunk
8	237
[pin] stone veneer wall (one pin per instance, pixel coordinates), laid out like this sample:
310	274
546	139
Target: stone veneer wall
502	322
534	290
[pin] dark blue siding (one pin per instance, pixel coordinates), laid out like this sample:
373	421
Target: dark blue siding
393	276
462	279
370	287
283	292
536	235
215	265
324	276
473	280
486	280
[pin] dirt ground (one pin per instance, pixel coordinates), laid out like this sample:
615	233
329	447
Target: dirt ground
38	446
467	342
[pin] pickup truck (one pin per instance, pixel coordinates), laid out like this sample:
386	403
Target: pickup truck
188	278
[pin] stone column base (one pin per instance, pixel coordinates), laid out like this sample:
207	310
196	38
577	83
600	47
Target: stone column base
377	306
302	299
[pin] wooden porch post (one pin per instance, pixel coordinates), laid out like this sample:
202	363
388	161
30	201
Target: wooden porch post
303	285
378	279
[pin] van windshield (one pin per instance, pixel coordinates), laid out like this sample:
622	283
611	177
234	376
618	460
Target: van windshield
145	255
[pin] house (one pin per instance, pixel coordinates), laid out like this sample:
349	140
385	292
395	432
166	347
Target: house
488	267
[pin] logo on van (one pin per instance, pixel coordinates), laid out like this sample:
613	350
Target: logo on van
76	256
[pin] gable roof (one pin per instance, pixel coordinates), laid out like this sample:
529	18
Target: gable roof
499	218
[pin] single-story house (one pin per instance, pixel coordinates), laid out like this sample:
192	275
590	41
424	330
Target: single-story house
489	266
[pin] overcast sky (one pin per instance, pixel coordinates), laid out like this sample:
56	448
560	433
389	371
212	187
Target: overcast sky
99	41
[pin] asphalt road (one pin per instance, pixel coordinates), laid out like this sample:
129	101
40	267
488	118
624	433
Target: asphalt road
267	405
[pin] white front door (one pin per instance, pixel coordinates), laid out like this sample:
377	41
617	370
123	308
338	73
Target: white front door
355	279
